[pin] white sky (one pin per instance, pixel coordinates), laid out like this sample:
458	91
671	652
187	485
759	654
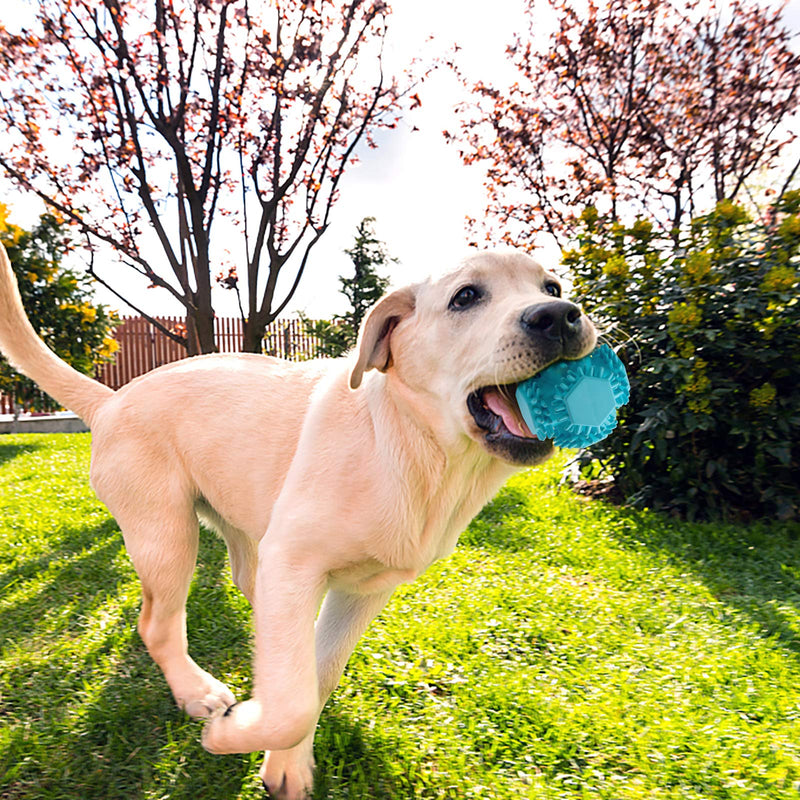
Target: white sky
414	184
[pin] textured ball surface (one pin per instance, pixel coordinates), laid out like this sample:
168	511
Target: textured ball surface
575	403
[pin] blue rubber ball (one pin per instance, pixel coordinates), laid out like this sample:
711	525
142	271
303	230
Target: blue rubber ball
575	403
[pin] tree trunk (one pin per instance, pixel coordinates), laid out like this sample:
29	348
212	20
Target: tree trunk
254	329
200	332
205	332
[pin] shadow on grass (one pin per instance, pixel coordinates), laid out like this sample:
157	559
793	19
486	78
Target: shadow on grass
86	712
353	762
78	564
92	717
11	450
753	569
490	528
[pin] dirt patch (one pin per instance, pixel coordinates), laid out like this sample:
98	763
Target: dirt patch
599	490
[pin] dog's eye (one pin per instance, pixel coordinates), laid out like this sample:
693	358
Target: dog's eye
466	297
553	289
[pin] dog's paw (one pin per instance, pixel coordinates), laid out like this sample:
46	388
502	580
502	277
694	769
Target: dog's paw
202	696
240	728
247	727
289	774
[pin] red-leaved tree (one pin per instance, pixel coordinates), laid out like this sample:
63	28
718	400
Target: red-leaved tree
646	105
148	121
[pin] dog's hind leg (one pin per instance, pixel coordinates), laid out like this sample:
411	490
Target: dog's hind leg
162	542
242	550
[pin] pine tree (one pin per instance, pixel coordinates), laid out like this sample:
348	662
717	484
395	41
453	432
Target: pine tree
363	290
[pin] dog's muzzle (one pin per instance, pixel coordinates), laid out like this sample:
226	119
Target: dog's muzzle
553	330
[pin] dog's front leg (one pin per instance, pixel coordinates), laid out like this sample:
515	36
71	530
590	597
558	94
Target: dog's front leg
285	701
289	774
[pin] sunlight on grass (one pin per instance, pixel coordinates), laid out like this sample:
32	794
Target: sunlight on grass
568	649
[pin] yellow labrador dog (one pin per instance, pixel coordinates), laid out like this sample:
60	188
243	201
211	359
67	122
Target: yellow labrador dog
331	481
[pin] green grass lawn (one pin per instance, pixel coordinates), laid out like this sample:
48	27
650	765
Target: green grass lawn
568	649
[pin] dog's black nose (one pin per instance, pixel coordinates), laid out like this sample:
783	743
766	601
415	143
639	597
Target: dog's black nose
556	320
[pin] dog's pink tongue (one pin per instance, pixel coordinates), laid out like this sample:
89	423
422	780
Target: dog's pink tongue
500	405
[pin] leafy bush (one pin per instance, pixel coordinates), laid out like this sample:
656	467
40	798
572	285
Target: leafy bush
709	324
58	302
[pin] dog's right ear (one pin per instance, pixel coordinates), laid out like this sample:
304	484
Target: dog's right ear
374	340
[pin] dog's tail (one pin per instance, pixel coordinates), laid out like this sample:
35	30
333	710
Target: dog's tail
29	355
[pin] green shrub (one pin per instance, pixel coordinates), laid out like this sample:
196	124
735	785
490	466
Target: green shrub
709	324
58	302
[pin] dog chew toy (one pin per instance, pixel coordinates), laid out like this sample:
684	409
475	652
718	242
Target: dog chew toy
575	403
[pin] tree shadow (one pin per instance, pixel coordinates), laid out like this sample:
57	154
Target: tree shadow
752	569
348	756
11	450
102	723
77	559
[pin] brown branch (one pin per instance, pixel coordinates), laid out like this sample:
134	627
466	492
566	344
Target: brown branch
788	182
152	320
213	123
70	213
276	313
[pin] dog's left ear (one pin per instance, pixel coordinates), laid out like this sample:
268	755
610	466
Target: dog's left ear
374	345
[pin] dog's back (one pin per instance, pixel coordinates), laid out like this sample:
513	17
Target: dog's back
223	425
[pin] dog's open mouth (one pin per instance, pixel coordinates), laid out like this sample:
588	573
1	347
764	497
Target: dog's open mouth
505	434
495	410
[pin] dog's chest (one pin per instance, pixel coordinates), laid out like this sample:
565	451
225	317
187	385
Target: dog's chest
408	543
404	551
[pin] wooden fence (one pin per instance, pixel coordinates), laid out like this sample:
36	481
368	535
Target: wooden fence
143	347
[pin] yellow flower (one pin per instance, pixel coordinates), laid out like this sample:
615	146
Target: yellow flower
790	227
88	312
700	405
763	396
616	267
697	387
698	382
589	216
779	279
570	257
108	348
687	314
11	233
642	229
698	267
730	212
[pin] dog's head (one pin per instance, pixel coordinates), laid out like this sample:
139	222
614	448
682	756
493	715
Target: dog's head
457	347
